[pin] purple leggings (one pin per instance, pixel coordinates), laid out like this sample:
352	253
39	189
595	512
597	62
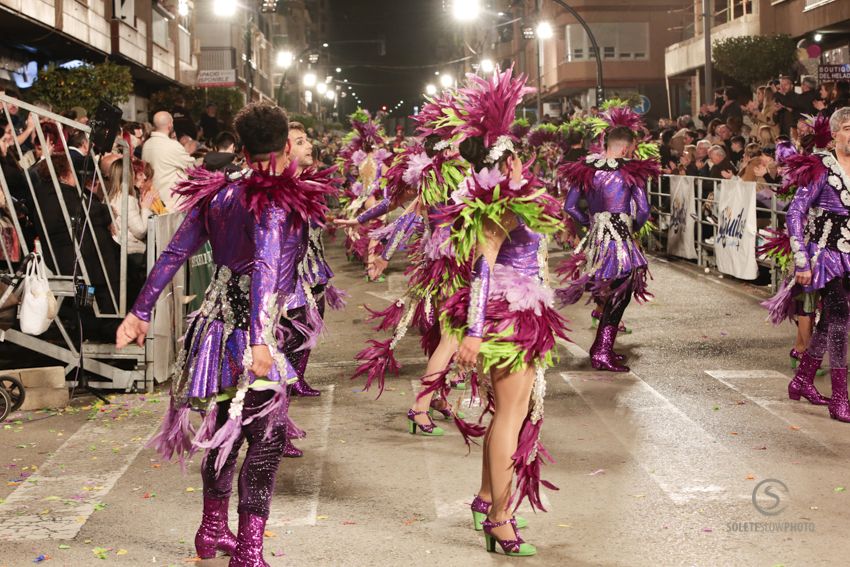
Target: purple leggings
257	476
831	332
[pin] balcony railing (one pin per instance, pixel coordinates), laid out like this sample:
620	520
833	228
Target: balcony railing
185	39
217	59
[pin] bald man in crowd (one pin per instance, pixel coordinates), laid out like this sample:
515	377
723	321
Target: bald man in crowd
168	158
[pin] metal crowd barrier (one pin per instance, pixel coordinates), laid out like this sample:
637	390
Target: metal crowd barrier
770	213
150	362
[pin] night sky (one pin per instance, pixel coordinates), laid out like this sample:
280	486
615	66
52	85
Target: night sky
411	30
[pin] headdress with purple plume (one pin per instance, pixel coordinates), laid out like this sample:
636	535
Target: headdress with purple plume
488	108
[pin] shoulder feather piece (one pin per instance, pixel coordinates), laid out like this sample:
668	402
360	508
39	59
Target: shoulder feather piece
803	170
301	196
200	184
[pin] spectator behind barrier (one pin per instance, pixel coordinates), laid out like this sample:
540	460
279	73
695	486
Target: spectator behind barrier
136	226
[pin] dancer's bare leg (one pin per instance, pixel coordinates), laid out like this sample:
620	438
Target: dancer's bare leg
437	363
805	325
511	393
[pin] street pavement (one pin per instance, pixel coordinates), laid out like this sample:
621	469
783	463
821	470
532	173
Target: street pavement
655	467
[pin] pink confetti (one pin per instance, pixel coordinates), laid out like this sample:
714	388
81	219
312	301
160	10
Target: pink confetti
596	472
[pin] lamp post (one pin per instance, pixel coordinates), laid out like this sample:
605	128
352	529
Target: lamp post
542	32
466	10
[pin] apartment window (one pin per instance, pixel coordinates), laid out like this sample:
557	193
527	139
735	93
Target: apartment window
125	10
815	3
159	28
618	41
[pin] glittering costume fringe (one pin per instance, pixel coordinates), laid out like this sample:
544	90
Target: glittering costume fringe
335	297
781	306
210	332
606	255
175	435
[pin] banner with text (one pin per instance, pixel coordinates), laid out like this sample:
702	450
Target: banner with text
680	234
735	240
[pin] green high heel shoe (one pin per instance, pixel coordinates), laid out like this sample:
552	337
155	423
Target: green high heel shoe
480	508
516	547
429	430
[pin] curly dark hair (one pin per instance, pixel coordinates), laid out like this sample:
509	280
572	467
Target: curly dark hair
263	129
473	150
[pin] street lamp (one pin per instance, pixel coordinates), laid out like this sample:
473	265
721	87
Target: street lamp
430	89
339	69
446	80
466	10
310	80
322	88
486	66
330	95
545	31
285	59
224	8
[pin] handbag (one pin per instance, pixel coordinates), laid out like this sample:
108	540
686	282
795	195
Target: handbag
38	304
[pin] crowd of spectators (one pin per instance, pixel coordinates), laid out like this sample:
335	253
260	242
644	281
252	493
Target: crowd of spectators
42	160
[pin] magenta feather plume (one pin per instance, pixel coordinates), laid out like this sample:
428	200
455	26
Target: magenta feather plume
623	116
776	243
301	196
529	458
638	172
175	434
336	297
781	306
804	170
199	185
431	117
488	105
389	317
822	132
578	174
376	360
469	431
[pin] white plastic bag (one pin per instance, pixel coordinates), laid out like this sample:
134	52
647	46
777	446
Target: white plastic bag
38	305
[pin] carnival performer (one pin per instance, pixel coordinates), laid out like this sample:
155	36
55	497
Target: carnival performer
305	308
363	149
504	320
777	245
609	260
230	367
818	221
428	173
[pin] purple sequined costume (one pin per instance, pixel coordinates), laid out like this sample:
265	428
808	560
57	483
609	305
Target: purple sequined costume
255	226
617	208
609	260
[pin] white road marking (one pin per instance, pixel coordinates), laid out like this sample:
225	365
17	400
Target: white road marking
315	419
572	348
661	438
57	501
767	399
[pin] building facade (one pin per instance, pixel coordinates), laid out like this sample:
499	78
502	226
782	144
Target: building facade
825	22
154	39
631	35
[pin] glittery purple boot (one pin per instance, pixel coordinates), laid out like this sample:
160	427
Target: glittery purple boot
602	355
249	545
803	383
839	406
214	535
291	451
303	390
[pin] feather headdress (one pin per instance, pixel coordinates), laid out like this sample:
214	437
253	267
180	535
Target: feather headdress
488	107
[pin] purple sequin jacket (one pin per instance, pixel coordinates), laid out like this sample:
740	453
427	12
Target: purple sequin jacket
611	194
267	249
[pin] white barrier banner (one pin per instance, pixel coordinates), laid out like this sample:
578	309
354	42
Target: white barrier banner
680	234
735	240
